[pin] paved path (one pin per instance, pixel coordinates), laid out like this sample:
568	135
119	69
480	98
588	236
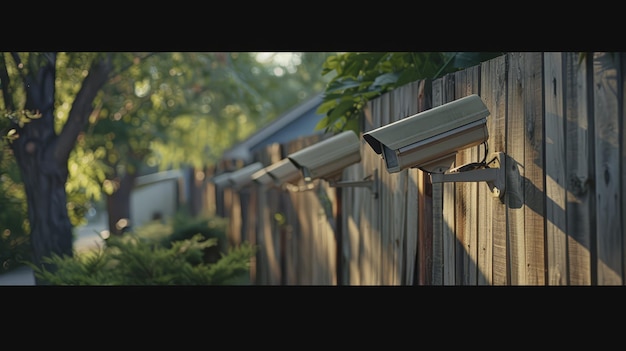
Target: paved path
21	276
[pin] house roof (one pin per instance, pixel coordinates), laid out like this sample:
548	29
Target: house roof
297	122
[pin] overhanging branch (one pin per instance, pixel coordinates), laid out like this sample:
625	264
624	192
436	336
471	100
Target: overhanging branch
82	107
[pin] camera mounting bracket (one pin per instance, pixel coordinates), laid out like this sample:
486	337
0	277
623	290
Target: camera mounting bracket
493	174
371	182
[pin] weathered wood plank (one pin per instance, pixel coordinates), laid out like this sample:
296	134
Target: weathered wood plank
408	240
295	244
253	211
622	131
438	260
306	241
452	238
467	82
425	235
412	229
371	220
494	91
269	253
515	175
346	220
556	233
400	105
424	204
462	198
579	162
607	172
534	187
370	161
234	224
323	203
404	105
387	211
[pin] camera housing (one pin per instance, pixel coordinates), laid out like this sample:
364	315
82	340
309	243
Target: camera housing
243	176
430	139
283	171
221	180
327	158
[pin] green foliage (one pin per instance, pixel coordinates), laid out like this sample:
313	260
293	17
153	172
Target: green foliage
361	77
183	227
14	227
173	109
139	258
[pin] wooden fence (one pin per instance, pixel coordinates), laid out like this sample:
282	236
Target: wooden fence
559	119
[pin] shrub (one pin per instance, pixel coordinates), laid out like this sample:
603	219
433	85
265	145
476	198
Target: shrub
183	226
149	257
14	228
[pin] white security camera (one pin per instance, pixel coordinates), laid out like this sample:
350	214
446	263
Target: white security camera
427	139
278	173
243	176
327	158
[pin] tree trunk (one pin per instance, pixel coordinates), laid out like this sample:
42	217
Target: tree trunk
118	205
44	173
44	182
42	155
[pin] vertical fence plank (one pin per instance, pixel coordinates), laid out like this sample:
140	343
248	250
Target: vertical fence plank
234	223
417	97
369	217
323	234
452	242
405	105
579	166
389	212
425	207
252	228
467	82
515	175
425	236
437	208
534	187
622	151
307	220
608	196
494	91
556	239
347	222
371	223
525	170
210	202
462	201
268	254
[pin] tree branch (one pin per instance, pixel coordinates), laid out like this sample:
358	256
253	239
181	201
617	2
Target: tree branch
6	85
82	107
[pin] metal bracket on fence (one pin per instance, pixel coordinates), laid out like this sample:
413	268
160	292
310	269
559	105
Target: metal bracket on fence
370	182
493	174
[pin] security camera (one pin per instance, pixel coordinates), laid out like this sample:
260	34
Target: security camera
242	177
327	158
432	138
278	173
221	180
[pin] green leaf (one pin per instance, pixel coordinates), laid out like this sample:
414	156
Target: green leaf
385	80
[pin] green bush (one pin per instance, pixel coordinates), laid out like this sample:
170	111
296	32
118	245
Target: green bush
183	226
14	228
151	256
